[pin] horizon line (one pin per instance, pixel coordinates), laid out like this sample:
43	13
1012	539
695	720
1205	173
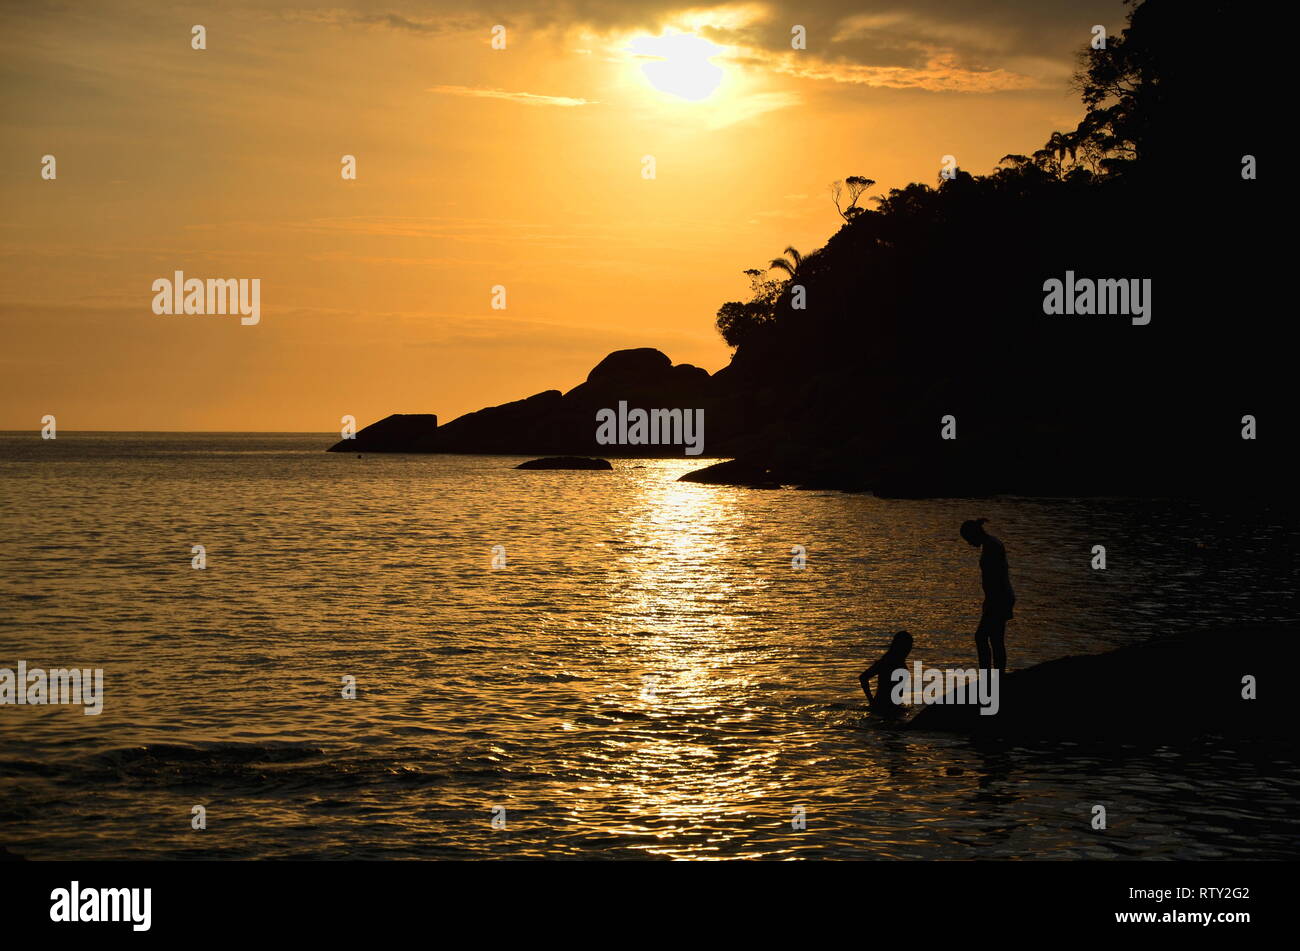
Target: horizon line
228	432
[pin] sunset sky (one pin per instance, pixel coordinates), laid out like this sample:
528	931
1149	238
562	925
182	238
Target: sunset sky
476	167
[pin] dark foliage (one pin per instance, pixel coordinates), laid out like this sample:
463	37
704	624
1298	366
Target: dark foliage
932	303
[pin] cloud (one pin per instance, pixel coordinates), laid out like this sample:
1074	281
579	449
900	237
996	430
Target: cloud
528	98
398	22
421	25
935	45
939	71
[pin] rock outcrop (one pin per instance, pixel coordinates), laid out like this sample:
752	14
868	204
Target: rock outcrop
736	472
566	462
555	423
1167	689
400	432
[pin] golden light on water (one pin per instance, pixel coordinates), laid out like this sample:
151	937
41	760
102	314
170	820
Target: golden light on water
648	677
681	797
677	597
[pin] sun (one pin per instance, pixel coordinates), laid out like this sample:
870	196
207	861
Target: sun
679	64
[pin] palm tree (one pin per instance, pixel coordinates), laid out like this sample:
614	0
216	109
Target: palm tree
791	266
1062	143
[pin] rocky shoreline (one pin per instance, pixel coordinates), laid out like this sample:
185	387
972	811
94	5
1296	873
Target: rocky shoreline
1172	688
818	432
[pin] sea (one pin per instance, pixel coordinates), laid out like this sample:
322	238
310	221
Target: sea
442	657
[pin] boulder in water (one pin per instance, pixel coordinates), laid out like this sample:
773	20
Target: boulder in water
565	462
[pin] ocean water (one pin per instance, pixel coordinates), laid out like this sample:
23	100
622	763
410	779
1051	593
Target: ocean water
648	676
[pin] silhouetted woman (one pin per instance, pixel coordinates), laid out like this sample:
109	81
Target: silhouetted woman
999	599
895	657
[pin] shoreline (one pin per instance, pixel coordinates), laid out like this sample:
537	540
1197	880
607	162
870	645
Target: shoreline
1177	687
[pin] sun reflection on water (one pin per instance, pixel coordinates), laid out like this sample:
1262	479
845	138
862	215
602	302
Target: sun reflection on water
647	676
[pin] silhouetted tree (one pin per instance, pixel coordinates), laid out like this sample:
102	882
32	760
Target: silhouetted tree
855	185
738	321
790	266
932	302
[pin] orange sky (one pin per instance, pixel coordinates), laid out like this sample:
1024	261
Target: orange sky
476	167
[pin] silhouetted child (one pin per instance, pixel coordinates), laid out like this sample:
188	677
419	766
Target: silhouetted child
896	657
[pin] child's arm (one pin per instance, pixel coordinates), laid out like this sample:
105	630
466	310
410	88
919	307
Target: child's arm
865	679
